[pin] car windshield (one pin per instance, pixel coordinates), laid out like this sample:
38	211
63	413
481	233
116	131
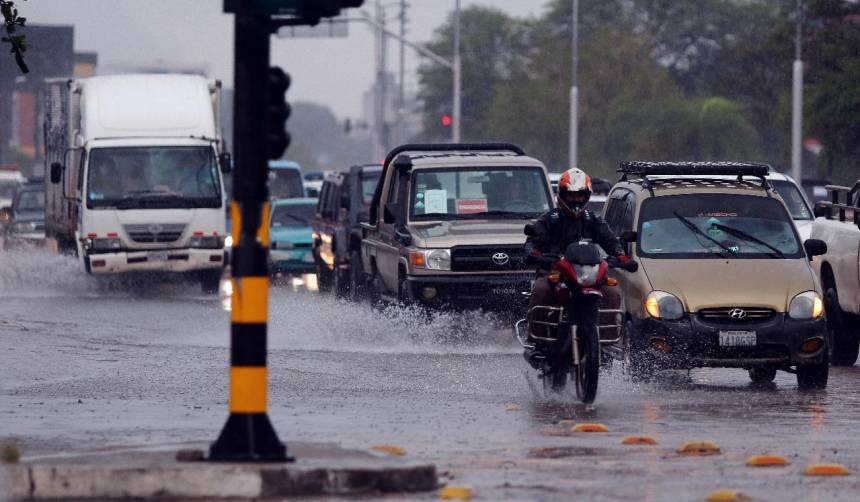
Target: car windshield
716	226
368	187
471	193
793	199
286	183
153	176
293	215
31	200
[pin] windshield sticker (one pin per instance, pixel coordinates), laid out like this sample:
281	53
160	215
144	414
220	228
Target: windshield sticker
722	214
471	206
96	196
436	201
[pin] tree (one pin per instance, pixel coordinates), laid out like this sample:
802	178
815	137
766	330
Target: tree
12	21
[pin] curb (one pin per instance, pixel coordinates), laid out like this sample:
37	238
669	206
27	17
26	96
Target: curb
205	480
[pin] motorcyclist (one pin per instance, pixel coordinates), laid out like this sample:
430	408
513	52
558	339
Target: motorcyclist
555	230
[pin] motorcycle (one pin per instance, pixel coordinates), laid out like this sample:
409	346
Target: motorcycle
567	345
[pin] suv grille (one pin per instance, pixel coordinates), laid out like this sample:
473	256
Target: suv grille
736	314
153	233
487	258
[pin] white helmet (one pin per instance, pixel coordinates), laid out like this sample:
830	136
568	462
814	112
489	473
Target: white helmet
574	191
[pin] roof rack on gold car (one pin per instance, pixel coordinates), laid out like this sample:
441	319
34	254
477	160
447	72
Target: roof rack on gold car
644	169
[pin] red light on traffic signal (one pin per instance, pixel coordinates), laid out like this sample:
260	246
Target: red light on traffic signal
446	120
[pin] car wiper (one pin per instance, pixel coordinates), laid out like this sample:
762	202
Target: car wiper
743	235
698	231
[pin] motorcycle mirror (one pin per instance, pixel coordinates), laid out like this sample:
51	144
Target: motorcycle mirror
530	230
629	235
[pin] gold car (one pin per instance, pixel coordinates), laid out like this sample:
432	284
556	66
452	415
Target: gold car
724	280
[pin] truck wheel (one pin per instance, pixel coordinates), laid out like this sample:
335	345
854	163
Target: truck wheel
340	282
357	281
842	330
210	281
761	375
813	376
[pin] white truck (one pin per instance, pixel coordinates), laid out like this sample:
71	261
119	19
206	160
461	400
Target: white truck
135	168
838	225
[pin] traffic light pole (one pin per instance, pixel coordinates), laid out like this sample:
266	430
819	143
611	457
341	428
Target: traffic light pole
248	434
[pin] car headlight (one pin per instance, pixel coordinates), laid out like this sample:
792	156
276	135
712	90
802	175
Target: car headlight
662	305
431	259
807	305
25	227
228	241
206	242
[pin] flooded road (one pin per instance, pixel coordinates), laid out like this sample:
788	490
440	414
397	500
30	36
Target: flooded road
88	363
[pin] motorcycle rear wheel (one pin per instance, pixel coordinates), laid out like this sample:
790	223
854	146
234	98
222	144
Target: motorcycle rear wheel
588	369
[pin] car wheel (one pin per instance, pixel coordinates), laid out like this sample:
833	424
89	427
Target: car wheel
357	280
842	331
813	376
761	375
340	282
324	277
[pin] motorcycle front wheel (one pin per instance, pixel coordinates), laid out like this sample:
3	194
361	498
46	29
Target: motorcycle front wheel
588	369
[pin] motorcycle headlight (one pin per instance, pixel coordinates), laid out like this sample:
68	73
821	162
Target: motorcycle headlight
586	275
431	259
807	305
663	305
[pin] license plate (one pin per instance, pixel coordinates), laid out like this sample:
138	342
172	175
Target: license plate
308	258
157	256
505	291
737	339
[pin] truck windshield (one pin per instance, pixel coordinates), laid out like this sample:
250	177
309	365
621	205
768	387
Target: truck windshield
479	193
146	177
285	183
793	199
716	226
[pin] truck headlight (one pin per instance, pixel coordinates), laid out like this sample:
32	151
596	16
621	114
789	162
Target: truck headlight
663	305
210	242
431	259
106	244
22	228
228	241
807	305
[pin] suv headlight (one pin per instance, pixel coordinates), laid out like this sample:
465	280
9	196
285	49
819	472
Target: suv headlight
431	259
21	228
662	305
210	242
807	305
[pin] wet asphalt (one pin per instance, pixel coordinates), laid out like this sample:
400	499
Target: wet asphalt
89	363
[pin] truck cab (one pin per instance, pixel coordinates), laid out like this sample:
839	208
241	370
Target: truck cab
446	225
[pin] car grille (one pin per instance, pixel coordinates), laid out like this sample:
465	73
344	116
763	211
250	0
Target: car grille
481	258
153	233
736	314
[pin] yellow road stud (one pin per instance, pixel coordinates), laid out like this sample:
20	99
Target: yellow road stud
826	470
455	493
639	440
725	495
590	428
699	448
767	461
389	449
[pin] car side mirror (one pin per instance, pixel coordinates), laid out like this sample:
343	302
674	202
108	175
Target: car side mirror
56	172
530	230
225	162
403	236
815	247
821	211
388	215
629	236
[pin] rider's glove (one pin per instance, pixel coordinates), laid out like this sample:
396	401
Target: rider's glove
623	258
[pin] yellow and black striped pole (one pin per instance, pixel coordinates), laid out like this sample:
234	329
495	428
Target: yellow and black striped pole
248	434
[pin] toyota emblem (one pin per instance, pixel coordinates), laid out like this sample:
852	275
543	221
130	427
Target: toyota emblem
738	314
155	228
501	259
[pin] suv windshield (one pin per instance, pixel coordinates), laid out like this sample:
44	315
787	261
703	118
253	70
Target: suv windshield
716	226
368	187
468	192
793	199
160	177
30	200
293	215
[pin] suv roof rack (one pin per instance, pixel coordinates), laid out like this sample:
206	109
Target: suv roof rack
644	169
453	147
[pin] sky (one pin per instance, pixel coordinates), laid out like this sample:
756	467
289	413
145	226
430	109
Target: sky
197	34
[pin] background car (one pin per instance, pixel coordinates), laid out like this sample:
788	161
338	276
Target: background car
26	225
290	236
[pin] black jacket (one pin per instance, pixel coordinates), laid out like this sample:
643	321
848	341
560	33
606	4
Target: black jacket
555	231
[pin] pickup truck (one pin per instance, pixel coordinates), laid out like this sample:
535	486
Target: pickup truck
446	225
838	225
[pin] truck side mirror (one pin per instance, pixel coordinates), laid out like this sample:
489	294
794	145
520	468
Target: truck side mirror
225	162
820	211
815	247
388	215
629	236
56	172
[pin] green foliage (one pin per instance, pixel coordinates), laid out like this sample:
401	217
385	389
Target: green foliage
12	21
9	453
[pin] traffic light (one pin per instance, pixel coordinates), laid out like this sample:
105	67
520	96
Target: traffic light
278	139
447	120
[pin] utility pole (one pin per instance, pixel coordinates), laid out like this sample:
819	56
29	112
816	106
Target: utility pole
574	87
401	95
458	78
797	99
381	91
